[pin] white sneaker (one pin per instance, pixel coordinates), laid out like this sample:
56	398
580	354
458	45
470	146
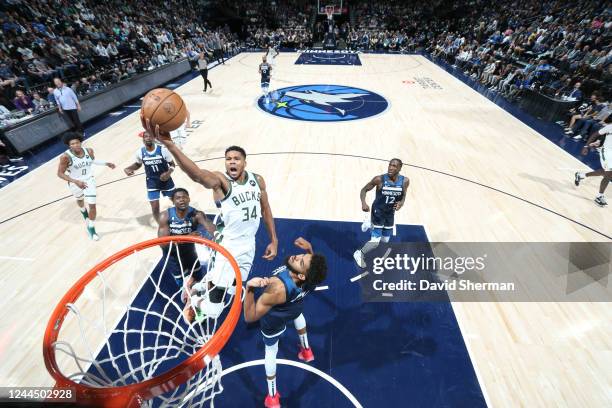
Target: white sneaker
358	257
208	309
577	137
601	201
578	178
366	225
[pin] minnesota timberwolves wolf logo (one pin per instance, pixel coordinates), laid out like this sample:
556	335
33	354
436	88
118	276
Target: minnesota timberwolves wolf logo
323	103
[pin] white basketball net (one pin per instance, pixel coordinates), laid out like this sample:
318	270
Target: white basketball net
140	340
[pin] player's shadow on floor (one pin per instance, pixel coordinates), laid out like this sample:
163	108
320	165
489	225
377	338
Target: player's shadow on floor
554	185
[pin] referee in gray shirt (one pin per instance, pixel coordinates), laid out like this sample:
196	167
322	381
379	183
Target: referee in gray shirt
68	104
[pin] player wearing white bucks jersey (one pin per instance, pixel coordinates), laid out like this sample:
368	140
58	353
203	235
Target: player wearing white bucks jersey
241	209
75	167
249	203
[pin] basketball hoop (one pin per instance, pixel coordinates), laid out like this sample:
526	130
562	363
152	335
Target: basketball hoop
329	11
164	360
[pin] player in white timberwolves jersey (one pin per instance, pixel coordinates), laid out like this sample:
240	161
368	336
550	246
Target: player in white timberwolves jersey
75	167
605	157
243	200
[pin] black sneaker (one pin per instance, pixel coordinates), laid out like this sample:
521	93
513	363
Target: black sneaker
577	179
601	201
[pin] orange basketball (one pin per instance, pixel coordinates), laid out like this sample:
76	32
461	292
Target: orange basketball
165	108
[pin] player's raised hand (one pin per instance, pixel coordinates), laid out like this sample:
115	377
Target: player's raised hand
163	137
271	251
257	283
303	244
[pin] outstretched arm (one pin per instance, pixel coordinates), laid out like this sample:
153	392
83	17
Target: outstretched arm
375	182
204	177
266	211
99	162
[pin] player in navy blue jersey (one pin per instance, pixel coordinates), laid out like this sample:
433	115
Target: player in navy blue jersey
265	69
390	196
183	219
282	303
159	165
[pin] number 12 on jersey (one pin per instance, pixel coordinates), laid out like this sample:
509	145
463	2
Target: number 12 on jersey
250	213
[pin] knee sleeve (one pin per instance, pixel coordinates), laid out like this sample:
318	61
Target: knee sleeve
270	359
300	322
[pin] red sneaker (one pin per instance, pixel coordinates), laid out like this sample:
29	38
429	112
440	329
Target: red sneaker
272	402
305	354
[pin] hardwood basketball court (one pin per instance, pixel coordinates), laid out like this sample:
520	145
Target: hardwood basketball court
477	174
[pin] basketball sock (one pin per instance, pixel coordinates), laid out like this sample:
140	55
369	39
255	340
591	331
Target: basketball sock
369	246
304	340
271	386
270	365
599	195
385	239
581	174
90	223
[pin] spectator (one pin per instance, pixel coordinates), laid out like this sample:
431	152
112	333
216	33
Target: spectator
575	94
4	112
68	104
23	102
40	104
84	87
51	96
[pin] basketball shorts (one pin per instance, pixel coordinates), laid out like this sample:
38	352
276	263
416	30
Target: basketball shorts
274	323
88	193
221	273
605	159
156	190
189	269
382	219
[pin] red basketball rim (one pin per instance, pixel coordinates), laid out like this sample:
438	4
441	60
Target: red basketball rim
132	395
